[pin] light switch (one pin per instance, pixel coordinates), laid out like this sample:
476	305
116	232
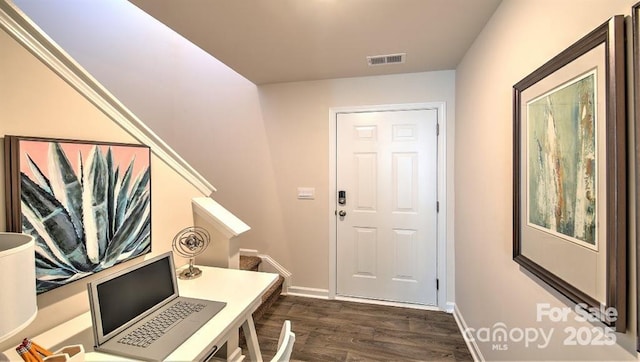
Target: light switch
306	193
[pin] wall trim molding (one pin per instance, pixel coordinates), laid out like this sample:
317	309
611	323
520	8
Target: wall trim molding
248	252
462	326
270	265
324	294
308	292
29	35
389	303
450	307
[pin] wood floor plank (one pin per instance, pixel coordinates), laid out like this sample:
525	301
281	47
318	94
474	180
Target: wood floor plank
330	330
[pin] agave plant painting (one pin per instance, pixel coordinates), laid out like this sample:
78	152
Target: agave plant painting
87	204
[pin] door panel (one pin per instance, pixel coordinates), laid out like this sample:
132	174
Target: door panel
366	176
366	247
386	241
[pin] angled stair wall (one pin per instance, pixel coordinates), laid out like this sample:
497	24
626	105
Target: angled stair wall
252	263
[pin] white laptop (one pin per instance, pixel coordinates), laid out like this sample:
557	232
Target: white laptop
138	313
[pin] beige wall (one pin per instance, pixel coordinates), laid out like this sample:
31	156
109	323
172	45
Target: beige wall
256	145
36	102
490	287
296	122
203	109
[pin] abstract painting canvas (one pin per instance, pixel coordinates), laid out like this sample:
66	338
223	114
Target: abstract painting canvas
87	204
561	150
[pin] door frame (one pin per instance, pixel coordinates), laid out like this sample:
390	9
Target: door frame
442	223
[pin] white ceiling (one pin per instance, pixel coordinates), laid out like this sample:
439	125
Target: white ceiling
270	41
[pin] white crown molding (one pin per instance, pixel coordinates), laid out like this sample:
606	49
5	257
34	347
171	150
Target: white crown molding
27	33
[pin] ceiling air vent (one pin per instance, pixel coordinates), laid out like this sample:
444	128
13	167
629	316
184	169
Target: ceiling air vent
386	59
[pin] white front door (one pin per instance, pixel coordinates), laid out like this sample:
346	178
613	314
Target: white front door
387	225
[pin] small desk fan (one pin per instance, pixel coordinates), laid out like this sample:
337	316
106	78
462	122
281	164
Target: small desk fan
189	243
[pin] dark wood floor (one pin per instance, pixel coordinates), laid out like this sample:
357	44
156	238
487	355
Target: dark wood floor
329	330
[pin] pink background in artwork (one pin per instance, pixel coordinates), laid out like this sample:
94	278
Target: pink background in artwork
122	156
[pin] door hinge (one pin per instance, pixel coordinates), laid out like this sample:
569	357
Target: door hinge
437	206
437	284
437	129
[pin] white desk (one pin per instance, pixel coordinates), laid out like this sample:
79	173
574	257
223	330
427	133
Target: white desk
242	290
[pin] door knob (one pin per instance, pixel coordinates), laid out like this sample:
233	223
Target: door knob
342	213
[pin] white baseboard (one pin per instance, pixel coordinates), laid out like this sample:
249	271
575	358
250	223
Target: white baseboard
324	294
389	303
308	292
462	325
450	307
271	266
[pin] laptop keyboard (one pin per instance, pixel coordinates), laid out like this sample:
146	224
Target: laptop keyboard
144	335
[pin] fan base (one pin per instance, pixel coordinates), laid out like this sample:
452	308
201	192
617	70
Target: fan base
190	273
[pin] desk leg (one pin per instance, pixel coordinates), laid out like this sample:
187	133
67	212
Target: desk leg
251	336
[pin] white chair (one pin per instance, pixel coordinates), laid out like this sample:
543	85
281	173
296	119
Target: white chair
285	343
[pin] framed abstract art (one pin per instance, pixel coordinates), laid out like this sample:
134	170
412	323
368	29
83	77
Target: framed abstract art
635	25
88	204
569	180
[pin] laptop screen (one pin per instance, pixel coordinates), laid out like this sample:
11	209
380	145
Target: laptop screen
123	298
